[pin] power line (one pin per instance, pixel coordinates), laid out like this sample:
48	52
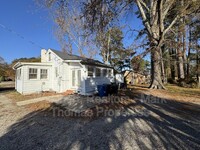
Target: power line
19	35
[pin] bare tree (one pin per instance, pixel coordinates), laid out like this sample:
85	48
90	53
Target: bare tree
1	60
70	31
153	14
98	15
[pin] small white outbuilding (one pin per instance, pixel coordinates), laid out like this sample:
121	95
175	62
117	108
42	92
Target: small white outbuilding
60	72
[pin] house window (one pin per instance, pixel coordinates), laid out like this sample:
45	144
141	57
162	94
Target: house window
32	73
98	72
19	74
104	72
43	74
109	73
90	71
49	56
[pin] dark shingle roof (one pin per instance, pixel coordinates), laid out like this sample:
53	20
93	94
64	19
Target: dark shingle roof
66	56
84	61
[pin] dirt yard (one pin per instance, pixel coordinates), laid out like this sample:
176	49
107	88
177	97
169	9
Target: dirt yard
138	118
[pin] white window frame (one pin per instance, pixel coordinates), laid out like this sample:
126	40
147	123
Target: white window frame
43	74
99	74
90	73
19	73
104	72
33	73
110	72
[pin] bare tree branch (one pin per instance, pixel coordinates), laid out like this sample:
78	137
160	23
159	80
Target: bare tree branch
146	23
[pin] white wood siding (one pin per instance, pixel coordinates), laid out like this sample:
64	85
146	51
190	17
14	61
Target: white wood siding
59	79
92	82
75	66
62	80
19	82
36	85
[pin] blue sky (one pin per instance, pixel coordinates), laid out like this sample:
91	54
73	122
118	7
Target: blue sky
25	18
34	23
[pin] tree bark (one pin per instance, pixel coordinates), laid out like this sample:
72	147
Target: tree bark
189	51
181	74
180	67
184	52
156	81
173	63
183	35
197	62
164	79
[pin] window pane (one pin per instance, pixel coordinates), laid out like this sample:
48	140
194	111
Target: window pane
43	74
79	77
19	74
109	73
98	72
104	72
90	71
32	73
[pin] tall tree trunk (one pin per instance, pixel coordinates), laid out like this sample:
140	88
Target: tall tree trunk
163	73
183	38
181	74
180	66
189	51
184	51
173	63
156	81
197	62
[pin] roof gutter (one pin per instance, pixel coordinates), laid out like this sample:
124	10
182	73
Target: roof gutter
18	64
72	61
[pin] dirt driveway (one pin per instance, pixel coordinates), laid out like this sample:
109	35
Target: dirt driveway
136	125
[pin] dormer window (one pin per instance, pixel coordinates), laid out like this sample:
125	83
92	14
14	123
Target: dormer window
49	56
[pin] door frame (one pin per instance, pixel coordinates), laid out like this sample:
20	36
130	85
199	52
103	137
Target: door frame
74	77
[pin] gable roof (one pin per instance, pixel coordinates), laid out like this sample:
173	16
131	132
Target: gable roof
83	60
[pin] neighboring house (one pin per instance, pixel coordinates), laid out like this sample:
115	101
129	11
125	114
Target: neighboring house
136	78
61	72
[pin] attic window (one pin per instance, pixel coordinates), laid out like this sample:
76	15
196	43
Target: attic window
49	56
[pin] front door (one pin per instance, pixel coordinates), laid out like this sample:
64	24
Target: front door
76	78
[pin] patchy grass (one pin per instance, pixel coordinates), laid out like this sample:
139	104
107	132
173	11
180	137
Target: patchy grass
173	92
43	105
15	96
172	89
183	91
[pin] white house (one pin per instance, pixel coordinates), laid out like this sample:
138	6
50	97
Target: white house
60	72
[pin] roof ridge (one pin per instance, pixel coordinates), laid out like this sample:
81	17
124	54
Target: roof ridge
85	60
67	53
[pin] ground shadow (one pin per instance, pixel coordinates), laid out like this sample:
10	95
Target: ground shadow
7	86
6	89
142	125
